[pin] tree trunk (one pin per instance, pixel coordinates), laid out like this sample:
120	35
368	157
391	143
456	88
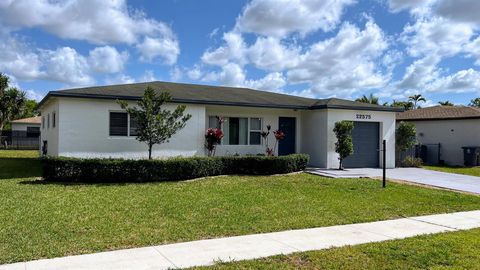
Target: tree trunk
150	151
340	167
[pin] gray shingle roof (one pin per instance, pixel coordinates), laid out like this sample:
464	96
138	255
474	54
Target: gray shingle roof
215	95
440	113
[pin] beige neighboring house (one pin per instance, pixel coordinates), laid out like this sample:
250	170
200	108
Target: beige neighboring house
25	133
453	127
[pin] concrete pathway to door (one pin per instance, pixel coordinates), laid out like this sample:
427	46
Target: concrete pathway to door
207	252
460	182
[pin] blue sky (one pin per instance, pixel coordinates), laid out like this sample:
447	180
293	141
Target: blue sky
314	48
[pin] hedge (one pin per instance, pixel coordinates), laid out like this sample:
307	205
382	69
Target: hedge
62	169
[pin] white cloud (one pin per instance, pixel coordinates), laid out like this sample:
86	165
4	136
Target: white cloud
271	82
459	10
95	21
415	5
459	82
234	50
17	59
473	50
436	36
176	74
107	59
231	75
66	65
195	73
152	48
420	73
270	54
280	18
148	76
120	79
346	62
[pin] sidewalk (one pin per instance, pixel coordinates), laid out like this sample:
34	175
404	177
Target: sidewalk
206	252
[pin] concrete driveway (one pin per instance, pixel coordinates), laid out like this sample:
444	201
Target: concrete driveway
453	181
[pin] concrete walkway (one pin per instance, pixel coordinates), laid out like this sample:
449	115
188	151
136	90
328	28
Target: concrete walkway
461	182
207	252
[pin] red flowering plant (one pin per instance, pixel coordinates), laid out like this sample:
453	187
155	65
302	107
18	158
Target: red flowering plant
279	135
213	136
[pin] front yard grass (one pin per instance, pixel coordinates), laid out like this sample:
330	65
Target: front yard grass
454	250
41	220
474	171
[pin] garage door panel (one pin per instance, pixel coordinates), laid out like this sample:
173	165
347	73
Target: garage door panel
366	141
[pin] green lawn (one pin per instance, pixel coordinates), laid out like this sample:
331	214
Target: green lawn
475	171
40	220
455	250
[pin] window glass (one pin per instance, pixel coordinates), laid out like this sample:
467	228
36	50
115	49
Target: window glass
237	131
33	131
256	124
43	122
133	127
255	138
213	122
118	124
54	116
48	120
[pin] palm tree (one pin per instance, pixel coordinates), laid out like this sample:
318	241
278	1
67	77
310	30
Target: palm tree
370	99
12	101
475	102
407	105
415	99
445	103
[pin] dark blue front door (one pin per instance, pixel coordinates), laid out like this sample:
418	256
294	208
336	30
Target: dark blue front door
287	145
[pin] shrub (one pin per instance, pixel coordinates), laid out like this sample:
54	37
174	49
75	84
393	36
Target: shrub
61	169
411	162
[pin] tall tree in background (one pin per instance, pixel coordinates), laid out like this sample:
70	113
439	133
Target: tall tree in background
445	103
155	125
344	145
407	105
475	102
12	101
371	99
416	99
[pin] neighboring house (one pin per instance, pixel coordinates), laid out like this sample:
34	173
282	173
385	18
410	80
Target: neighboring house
451	127
25	133
88	122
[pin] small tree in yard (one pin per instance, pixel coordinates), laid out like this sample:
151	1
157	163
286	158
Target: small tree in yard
344	144
12	102
405	136
155	125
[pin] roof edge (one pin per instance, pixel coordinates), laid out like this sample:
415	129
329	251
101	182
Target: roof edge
365	108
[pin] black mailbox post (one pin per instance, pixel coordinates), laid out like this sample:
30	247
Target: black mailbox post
471	155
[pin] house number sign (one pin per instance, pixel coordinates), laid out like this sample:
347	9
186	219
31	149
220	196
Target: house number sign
364	116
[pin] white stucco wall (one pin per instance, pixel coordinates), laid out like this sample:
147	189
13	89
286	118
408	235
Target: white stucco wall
269	117
85	132
23	126
50	133
387	132
451	134
314	136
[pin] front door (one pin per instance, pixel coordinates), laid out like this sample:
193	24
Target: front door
288	126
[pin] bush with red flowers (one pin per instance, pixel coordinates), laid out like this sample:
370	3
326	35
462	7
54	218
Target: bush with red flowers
213	136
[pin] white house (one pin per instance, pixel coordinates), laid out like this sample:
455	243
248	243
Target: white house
444	130
88	122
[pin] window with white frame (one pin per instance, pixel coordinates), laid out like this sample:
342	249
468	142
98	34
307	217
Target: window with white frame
48	121
121	124
239	130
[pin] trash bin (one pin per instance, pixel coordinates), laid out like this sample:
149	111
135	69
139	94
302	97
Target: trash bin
471	155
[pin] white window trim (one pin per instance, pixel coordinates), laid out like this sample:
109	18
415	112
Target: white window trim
248	129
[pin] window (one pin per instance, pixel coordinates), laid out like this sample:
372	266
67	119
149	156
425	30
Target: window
33	132
133	127
43	122
118	124
255	131
239	130
54	116
121	124
48	121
